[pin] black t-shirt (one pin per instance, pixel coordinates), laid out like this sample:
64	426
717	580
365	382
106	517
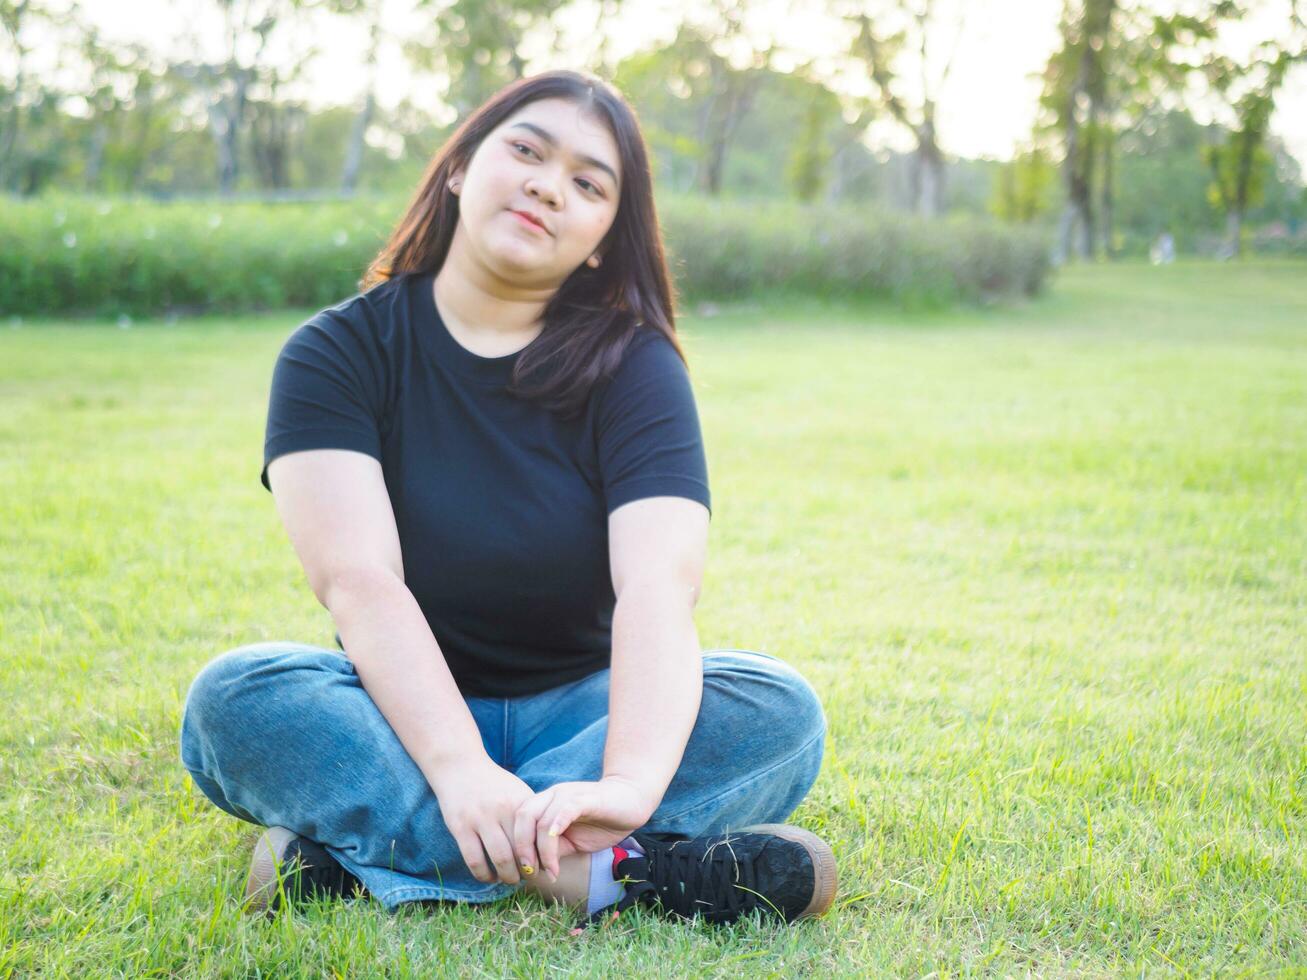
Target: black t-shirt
501	506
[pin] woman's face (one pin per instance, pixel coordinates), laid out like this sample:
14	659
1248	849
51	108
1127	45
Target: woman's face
550	160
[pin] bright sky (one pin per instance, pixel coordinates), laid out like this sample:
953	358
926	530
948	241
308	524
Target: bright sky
985	109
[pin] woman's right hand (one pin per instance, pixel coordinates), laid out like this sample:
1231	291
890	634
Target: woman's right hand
479	802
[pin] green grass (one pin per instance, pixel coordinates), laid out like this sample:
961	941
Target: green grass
1046	566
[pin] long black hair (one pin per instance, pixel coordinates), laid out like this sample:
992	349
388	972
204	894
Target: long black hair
594	314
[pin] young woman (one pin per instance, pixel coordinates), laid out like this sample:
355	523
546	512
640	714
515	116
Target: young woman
490	465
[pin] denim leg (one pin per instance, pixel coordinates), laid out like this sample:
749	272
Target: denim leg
753	754
283	734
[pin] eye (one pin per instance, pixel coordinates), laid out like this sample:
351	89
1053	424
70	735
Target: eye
589	185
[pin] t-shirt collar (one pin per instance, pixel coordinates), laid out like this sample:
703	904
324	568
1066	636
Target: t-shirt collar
442	345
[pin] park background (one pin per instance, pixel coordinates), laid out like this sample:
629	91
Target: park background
995	313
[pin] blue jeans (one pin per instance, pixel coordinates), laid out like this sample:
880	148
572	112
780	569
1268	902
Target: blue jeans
283	734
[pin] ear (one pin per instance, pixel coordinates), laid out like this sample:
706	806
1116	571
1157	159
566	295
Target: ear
455	181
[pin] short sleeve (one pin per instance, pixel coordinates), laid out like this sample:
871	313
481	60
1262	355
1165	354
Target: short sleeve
650	442
327	389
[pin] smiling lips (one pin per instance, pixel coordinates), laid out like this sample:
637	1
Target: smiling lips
529	219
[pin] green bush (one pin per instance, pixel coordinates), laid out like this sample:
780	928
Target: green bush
62	255
732	248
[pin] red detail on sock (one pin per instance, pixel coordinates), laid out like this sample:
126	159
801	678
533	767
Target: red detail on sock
619	854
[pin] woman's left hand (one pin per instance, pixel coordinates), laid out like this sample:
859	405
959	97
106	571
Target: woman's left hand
583	816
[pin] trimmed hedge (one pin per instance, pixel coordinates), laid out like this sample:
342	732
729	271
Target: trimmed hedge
105	256
731	249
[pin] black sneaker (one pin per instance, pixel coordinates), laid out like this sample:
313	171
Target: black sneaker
787	872
307	871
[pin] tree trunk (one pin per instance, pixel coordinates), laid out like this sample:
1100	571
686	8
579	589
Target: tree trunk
835	189
141	151
715	164
1106	197
706	115
1234	231
1081	194
95	155
13	125
272	125
928	174
354	152
225	126
1071	229
1074	233
729	103
1076	229
1062	249
349	177
1248	142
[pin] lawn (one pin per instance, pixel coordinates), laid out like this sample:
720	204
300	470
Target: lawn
1046	565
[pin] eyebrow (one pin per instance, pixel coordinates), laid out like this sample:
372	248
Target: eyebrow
549	138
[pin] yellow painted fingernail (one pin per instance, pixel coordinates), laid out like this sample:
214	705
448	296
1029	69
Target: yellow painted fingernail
528	870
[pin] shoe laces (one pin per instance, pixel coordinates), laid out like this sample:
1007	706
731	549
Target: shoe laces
684	879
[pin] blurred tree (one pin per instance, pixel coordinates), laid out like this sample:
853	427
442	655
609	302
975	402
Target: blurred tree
730	90
831	126
1074	87
103	98
892	40
349	175
274	125
33	129
1240	163
322	144
246	73
806	169
1285	196
1163	179
692	99
652	82
477	45
1238	175
1117	59
809	118
1023	188
132	108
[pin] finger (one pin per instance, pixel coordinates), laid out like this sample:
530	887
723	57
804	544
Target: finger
524	831
558	816
474	856
497	845
547	848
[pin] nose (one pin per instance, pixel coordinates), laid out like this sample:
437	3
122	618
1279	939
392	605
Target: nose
543	191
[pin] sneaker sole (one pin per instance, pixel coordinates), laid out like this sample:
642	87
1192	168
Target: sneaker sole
269	849
825	875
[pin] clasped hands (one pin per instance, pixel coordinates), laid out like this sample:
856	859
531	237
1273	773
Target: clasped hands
578	816
491	812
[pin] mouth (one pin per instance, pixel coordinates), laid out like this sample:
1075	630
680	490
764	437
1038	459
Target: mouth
529	220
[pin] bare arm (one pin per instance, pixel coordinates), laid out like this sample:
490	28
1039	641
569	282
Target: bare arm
658	549
655	689
402	669
337	513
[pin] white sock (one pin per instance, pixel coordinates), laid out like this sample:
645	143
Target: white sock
604	888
